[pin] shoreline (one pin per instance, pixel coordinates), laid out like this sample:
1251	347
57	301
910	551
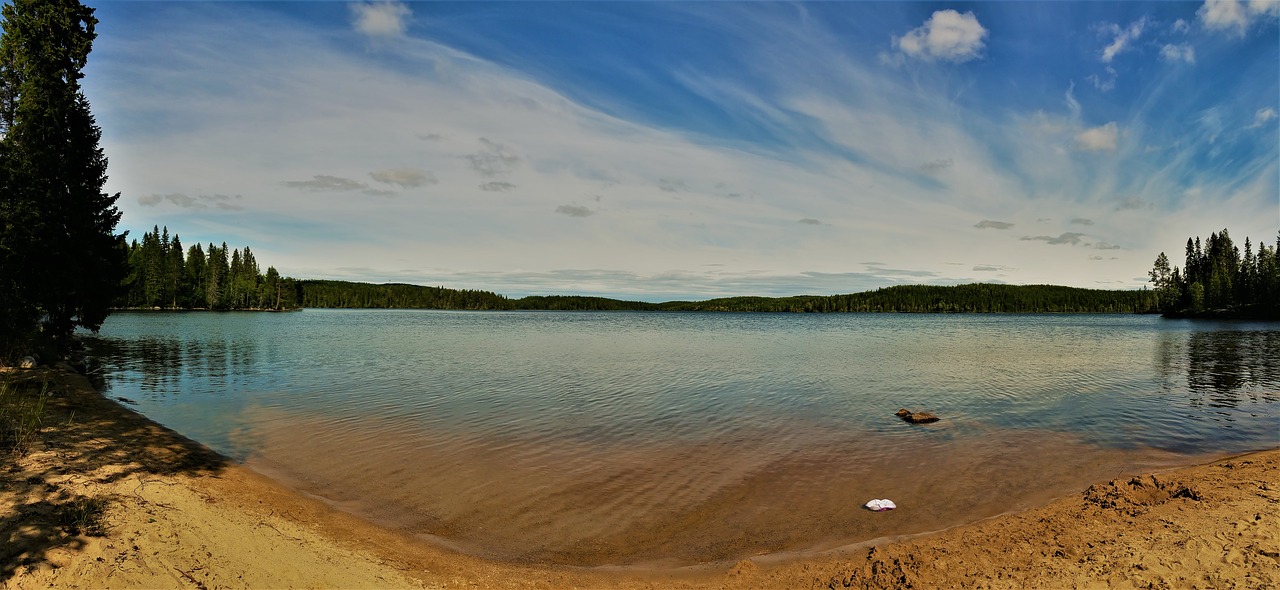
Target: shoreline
178	514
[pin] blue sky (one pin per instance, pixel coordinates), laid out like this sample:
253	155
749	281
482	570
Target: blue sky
677	150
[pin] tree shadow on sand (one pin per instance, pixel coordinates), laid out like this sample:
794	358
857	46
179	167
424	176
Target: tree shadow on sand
84	439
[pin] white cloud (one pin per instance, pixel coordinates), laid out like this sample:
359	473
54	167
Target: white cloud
1262	117
1184	52
380	19
1234	17
1098	139
1181	26
1104	84
1123	38
947	36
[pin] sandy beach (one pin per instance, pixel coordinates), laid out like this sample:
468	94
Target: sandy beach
105	498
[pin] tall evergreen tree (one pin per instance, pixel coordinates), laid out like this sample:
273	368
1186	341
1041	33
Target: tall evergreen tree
194	277
61	262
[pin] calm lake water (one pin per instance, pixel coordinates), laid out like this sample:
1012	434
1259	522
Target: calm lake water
674	438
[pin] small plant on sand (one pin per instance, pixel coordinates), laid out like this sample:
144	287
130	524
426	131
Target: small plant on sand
83	516
21	416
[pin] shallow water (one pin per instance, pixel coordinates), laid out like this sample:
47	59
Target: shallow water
622	438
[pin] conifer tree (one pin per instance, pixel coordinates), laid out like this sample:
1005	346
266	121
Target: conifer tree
61	262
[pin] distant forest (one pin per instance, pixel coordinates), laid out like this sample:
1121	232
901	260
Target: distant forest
1219	281
906	298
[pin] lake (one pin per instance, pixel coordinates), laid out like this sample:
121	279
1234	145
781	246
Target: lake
629	438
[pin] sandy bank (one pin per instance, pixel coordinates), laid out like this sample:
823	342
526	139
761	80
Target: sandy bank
177	515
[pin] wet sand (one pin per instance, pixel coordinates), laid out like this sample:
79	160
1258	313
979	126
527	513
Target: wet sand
178	515
672	504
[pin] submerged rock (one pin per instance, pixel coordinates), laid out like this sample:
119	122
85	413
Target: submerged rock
916	417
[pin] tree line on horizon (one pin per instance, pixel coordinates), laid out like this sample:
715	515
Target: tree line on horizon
971	298
1218	280
162	276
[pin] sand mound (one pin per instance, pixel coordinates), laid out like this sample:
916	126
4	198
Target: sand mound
1137	495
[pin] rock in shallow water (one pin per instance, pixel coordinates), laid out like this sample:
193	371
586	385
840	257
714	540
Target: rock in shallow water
916	417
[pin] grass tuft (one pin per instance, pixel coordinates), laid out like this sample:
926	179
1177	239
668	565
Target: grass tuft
22	412
83	516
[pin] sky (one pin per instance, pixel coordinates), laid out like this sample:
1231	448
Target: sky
689	150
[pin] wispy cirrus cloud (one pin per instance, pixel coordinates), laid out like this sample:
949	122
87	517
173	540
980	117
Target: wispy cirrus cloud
705	162
1122	38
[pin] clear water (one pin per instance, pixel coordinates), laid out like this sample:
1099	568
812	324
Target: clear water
624	438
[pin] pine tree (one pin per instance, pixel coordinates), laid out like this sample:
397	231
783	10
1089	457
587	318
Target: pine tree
195	277
61	261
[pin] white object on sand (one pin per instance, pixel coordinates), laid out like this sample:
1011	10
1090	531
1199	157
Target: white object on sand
881	505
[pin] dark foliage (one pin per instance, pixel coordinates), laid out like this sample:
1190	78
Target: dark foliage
1219	281
343	294
60	259
161	277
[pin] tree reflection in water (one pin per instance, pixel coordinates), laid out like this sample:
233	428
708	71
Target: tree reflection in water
157	366
1224	368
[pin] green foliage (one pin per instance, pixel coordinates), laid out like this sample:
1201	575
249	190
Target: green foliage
60	260
161	277
1218	281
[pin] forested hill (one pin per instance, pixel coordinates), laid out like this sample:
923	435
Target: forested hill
972	298
344	294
